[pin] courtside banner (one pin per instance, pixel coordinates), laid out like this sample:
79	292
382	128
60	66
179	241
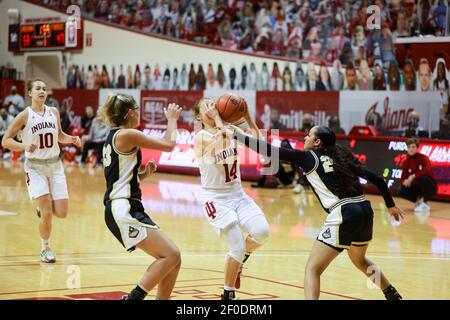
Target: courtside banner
394	107
76	100
153	104
293	106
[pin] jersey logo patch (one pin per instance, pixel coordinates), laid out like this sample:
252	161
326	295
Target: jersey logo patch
132	232
326	234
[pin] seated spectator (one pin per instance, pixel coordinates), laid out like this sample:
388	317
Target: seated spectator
440	17
350	78
288	174
184	78
394	79
413	129
311	82
165	84
375	121
402	28
243	85
365	76
16	99
307	123
192	78
137	77
386	44
275	121
89	78
12	109
417	182
424	75
146	83
264	78
51	100
410	75
106	83
337	77
5	121
288	84
276	83
66	118
121	79
97	137
335	125
232	85
200	83
252	77
299	84
441	81
324	83
379	81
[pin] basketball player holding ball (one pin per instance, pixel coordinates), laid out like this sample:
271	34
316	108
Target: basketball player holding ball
228	208
46	182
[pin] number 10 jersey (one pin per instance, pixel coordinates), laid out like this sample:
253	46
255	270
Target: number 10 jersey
41	130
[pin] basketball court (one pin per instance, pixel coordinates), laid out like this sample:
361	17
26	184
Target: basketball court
91	264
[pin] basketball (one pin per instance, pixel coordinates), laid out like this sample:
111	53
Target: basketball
231	107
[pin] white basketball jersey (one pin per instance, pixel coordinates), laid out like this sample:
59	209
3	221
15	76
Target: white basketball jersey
220	170
41	130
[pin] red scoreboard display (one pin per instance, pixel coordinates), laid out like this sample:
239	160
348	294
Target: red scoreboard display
43	36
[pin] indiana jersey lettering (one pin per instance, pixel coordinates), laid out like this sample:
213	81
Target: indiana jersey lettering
121	170
220	170
41	130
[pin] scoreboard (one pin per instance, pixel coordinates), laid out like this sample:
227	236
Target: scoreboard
45	35
42	36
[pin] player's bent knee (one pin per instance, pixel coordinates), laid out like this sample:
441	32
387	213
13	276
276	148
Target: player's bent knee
46	214
61	214
237	252
261	235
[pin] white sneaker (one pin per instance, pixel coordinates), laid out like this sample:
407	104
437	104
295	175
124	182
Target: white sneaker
48	256
422	207
298	188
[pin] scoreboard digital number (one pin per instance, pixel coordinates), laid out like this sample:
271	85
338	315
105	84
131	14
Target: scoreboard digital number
43	36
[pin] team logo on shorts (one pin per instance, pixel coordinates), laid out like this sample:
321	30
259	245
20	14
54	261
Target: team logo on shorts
326	234
132	232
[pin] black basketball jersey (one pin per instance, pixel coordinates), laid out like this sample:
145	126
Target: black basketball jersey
322	177
121	170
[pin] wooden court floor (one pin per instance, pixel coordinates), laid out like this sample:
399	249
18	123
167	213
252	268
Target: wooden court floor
91	264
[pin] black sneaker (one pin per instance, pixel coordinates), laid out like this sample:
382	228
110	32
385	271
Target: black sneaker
391	293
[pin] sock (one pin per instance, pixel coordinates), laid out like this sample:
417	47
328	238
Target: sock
45	244
391	293
247	255
228	294
229	288
137	294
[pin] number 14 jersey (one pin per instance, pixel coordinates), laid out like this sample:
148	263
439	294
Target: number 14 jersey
41	130
219	165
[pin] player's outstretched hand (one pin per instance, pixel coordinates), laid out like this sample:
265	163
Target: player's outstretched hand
211	110
396	213
76	141
172	111
150	167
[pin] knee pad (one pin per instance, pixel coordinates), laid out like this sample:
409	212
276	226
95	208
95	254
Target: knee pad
237	252
261	235
235	241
